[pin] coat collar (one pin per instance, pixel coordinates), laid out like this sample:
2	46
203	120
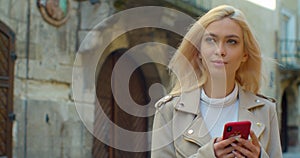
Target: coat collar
188	104
248	100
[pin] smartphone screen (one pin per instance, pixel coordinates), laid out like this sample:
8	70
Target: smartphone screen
241	128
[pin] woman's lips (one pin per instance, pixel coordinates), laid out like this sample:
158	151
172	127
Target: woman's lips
219	62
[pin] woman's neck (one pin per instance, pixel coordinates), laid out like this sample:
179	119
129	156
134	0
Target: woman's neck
219	87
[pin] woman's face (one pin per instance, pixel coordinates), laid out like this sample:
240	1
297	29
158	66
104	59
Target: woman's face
222	48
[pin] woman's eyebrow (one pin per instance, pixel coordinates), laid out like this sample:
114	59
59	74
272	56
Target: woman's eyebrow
210	34
227	36
233	36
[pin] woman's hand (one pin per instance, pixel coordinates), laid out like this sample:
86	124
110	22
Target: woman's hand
236	147
223	148
246	148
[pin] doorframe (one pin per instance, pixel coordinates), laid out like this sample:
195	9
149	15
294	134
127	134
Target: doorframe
5	30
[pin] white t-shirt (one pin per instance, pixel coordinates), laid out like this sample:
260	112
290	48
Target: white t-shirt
217	112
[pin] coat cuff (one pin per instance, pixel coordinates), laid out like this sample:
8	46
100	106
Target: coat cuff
206	151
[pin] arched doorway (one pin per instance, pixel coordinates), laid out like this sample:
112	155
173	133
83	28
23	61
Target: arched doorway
138	88
289	123
7	58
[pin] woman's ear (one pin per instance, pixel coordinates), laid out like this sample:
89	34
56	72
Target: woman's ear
245	57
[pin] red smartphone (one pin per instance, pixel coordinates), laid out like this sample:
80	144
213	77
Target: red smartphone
232	129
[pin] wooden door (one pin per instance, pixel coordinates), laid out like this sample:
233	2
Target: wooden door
284	125
115	113
7	58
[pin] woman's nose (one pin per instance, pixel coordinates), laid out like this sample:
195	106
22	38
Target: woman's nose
220	50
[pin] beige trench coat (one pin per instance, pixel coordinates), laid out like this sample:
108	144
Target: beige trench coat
179	119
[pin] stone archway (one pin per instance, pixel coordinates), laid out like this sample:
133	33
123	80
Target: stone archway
149	73
289	125
139	85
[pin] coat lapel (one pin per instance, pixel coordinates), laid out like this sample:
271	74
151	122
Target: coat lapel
249	102
194	128
198	132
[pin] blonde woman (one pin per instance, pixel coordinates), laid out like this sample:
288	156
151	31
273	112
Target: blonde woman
217	71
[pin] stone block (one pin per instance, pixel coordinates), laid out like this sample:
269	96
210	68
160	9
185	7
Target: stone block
43	153
18	92
62	40
73	19
82	34
20	68
21	31
18	152
39	71
73	152
35	28
4	8
18	10
71	134
89	41
72	112
86	113
74	6
33	50
44	139
11	23
56	46
41	90
66	44
61	136
88	141
18	128
63	73
21	49
91	15
42	32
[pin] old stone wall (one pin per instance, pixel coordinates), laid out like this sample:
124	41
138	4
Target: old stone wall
47	123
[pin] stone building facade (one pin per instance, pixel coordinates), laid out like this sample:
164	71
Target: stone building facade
289	74
55	67
46	123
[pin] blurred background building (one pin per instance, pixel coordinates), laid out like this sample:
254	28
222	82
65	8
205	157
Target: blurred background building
41	39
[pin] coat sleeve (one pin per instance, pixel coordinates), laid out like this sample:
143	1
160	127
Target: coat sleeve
274	148
205	151
162	137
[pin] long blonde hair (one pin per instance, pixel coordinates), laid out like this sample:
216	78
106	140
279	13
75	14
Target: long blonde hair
188	71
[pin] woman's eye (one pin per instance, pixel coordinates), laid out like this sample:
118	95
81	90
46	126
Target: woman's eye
231	41
210	40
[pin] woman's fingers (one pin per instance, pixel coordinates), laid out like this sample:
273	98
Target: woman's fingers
223	148
221	144
254	138
237	154
248	148
238	147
